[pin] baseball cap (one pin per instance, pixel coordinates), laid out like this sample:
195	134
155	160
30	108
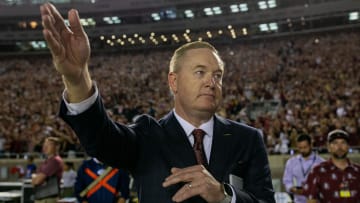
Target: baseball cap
338	134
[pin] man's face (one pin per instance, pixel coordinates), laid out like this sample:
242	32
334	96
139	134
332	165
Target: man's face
49	147
304	148
338	148
197	86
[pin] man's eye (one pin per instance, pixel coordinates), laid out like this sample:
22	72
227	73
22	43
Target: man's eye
217	76
199	72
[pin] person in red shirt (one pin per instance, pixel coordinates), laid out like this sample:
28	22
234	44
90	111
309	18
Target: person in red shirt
337	179
52	166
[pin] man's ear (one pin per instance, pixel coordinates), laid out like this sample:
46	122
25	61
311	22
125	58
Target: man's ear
172	82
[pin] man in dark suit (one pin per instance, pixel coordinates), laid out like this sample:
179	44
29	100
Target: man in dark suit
190	155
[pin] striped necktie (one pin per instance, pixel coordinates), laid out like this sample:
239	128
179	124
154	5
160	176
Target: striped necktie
199	147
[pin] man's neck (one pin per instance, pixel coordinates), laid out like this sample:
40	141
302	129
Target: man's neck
306	157
194	119
50	155
340	163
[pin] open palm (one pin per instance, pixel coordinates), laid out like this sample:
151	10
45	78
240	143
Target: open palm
69	47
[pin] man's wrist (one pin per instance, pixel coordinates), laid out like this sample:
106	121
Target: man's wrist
227	192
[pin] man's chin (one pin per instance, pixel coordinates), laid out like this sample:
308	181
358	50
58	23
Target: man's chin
340	156
209	107
306	155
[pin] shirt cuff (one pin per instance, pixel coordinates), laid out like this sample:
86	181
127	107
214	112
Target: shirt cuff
78	108
233	197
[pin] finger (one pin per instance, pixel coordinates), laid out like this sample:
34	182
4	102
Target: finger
184	171
184	175
48	24
59	21
189	169
186	192
52	43
45	11
75	23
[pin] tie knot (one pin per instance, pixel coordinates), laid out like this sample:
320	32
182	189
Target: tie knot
198	135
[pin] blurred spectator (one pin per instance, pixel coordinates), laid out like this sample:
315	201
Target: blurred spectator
51	167
68	179
315	79
298	167
30	166
336	180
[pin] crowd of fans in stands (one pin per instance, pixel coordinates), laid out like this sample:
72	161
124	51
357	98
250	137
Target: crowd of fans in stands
315	79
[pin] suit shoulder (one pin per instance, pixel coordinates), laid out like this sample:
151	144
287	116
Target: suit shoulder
239	126
144	120
293	158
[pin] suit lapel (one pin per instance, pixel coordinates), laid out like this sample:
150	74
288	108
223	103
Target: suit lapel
178	152
219	150
177	149
176	145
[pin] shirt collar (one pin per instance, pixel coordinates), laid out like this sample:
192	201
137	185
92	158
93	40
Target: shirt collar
311	156
350	165
208	126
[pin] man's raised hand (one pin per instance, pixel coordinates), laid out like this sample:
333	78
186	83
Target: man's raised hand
70	50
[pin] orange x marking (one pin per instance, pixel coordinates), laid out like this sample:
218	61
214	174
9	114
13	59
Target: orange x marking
102	183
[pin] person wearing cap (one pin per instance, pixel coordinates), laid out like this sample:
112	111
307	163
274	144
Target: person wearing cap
298	167
337	179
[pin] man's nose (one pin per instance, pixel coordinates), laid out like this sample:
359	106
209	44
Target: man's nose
210	81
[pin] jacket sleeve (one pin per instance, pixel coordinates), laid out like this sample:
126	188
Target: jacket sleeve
101	137
257	182
80	185
123	185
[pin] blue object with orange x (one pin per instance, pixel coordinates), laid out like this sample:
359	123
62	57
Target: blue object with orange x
113	186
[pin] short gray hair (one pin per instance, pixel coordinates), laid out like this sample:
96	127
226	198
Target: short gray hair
174	62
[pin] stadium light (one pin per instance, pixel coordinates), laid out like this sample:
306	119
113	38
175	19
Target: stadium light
244	31
37	45
155	16
189	13
235	8
243	7
33	24
264	27
354	16
271	3
216	10
111	20
170	14
263	5
273	26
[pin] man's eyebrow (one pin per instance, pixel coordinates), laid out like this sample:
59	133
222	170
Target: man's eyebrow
204	66
200	66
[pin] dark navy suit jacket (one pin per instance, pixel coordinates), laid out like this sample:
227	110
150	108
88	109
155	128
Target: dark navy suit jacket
150	148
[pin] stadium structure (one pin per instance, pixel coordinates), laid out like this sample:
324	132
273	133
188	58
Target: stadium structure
125	25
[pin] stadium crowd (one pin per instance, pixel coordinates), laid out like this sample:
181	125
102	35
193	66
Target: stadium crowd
314	78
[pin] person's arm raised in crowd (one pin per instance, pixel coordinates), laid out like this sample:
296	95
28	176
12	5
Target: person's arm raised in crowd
70	50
